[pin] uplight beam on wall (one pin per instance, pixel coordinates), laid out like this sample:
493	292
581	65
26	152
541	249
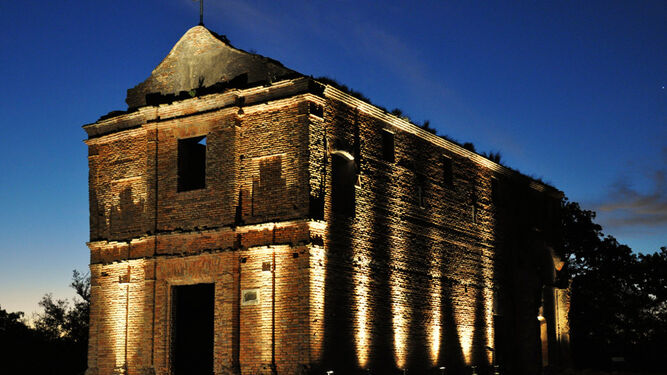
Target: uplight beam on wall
318	266
435	327
362	294
399	295
488	315
464	318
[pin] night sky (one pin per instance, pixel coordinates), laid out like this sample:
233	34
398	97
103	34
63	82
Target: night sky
572	92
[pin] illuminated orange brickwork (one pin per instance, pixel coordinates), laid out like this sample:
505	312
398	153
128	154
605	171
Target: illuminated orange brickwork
354	262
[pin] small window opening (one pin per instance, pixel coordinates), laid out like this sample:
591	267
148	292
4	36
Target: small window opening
266	266
473	199
191	163
474	213
420	196
316	109
343	179
495	193
388	146
447	171
419	191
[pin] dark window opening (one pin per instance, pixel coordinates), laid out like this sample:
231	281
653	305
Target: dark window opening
316	109
495	193
388	146
473	199
447	178
191	163
316	208
420	191
474	213
420	196
343	179
192	329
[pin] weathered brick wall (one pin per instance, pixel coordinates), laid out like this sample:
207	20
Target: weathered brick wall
421	273
256	165
412	277
118	179
273	161
132	310
147	237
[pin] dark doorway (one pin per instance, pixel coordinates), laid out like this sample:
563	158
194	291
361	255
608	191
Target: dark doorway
192	329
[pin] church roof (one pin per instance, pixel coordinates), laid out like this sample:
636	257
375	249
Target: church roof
202	59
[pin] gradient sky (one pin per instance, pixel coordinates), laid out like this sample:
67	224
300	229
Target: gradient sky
569	91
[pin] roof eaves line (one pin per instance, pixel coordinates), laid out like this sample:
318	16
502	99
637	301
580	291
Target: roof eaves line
233	93
409	127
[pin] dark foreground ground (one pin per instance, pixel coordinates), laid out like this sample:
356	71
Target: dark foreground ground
613	372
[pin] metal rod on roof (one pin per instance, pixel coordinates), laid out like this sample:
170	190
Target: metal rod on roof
201	12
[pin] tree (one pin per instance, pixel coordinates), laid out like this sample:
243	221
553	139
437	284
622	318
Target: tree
618	306
58	343
59	320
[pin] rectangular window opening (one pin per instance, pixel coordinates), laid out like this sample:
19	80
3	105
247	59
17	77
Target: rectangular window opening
343	181
473	199
420	191
388	146
316	109
447	178
191	163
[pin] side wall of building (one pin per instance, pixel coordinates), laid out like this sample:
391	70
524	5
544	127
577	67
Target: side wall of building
415	271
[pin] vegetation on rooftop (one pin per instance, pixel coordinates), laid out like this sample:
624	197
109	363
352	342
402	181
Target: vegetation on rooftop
426	125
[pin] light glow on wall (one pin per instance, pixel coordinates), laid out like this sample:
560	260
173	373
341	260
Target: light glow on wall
400	322
544	343
435	327
399	294
266	303
464	317
362	280
488	295
115	297
362	313
318	266
465	337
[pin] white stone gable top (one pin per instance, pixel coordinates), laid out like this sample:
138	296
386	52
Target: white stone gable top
202	59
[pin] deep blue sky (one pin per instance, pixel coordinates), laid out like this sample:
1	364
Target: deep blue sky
573	92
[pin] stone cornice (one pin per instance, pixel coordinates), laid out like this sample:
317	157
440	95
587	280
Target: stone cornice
408	127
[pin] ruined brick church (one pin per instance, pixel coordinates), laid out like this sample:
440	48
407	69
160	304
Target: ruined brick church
248	219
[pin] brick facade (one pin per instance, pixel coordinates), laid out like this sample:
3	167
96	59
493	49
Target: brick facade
361	263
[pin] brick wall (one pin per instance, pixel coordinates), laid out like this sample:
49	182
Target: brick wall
419	273
413	276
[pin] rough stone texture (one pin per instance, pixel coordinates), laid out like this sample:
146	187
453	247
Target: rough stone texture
402	270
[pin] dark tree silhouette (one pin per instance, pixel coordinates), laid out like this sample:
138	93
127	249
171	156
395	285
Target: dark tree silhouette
618	314
59	320
58	342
